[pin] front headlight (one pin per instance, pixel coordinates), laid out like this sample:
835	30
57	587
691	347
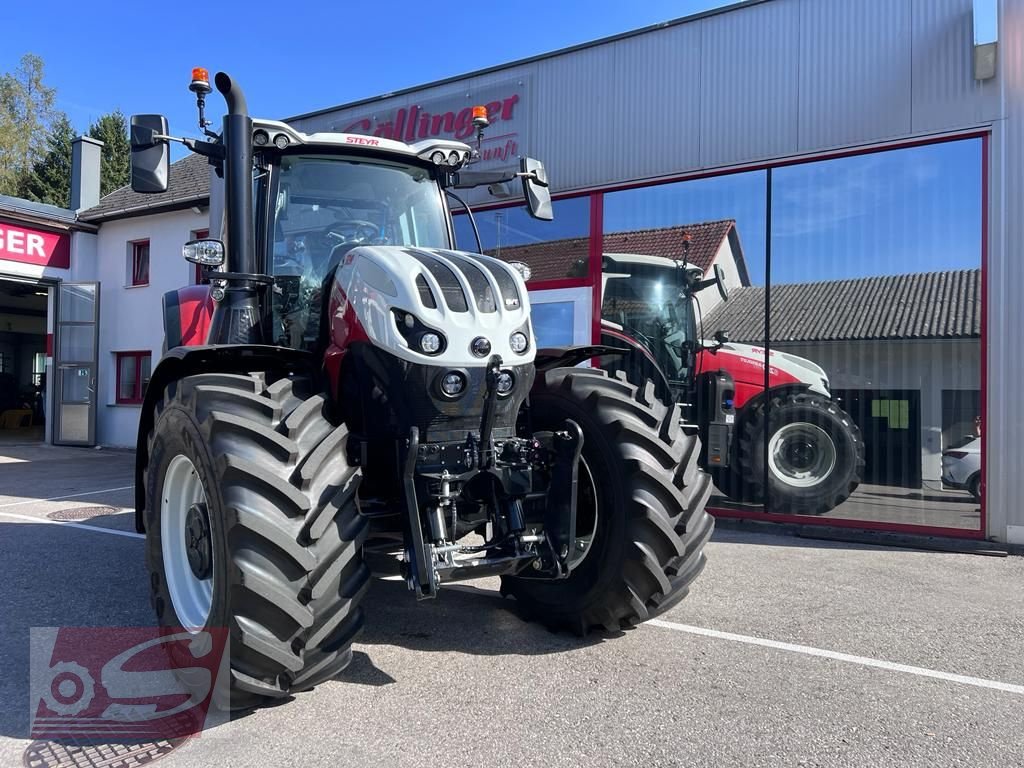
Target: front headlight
519	342
505	382
430	343
418	336
452	384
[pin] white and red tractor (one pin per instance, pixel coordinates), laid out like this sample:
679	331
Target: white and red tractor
773	426
351	389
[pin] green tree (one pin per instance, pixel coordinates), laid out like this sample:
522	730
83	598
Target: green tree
26	114
112	130
49	180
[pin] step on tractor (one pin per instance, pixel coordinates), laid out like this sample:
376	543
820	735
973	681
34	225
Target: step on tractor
771	426
349	393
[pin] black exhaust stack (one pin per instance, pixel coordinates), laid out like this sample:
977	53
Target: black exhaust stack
239	315
237	139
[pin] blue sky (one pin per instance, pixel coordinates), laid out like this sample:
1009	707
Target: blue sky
290	58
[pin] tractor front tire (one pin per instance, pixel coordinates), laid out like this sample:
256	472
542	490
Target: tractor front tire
649	523
252	525
815	454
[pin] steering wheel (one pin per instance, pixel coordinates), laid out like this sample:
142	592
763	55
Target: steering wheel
355	232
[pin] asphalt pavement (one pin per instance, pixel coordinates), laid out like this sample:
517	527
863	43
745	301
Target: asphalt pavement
787	652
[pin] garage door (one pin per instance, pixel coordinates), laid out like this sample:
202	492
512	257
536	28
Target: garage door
890	421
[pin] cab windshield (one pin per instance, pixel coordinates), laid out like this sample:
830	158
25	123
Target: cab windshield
655	312
323	207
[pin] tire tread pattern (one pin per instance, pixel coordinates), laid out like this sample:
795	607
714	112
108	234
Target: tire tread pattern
667	525
293	528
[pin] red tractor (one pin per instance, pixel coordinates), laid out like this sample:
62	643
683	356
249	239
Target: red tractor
349	389
773	427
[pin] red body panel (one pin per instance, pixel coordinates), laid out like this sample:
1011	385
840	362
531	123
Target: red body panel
345	330
195	313
746	371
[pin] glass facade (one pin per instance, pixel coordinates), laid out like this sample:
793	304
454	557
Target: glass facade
858	279
553	250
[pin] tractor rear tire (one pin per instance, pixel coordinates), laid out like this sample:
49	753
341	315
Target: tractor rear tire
651	525
827	448
283	567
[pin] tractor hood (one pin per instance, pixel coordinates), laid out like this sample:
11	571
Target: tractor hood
745	363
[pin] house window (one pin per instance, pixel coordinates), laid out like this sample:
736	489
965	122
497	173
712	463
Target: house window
132	376
139	263
201	272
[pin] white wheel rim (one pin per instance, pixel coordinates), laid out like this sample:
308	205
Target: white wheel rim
801	455
192	597
584	539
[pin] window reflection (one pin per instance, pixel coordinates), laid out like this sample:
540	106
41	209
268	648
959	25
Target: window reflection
554	250
876	279
663	247
873	407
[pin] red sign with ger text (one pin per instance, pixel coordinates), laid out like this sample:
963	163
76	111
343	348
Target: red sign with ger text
34	246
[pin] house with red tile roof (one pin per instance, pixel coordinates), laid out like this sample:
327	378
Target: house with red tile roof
703	244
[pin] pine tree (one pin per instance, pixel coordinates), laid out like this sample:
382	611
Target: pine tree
49	181
112	130
26	113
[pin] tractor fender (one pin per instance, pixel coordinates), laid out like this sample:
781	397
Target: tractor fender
188	313
755	401
645	366
550	358
181	361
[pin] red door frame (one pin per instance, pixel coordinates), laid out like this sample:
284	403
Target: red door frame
593	281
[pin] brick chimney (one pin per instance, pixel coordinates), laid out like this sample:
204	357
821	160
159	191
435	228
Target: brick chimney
85	172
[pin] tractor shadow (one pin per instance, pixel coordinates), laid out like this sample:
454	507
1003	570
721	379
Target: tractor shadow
464	618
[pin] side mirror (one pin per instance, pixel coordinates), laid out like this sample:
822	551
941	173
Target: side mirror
723	290
535	189
209	253
150	156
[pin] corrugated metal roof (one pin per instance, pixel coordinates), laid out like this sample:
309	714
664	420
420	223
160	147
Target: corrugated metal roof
557	259
932	305
189	182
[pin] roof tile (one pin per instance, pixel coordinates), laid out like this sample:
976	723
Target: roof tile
558	259
189	181
931	305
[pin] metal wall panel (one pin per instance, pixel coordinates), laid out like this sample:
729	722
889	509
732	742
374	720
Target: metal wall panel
1004	448
572	129
945	94
770	80
749	84
854	71
656	110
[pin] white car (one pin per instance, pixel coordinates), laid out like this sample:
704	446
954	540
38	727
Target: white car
961	467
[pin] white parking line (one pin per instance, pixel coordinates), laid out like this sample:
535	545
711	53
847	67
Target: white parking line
68	524
864	661
69	496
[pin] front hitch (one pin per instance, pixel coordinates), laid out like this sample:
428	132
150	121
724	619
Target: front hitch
560	515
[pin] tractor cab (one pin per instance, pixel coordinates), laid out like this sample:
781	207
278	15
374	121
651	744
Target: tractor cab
648	302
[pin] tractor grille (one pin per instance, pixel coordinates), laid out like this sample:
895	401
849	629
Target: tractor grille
451	291
482	293
426	295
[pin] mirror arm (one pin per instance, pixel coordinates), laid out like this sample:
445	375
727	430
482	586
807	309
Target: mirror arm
480	178
205	148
